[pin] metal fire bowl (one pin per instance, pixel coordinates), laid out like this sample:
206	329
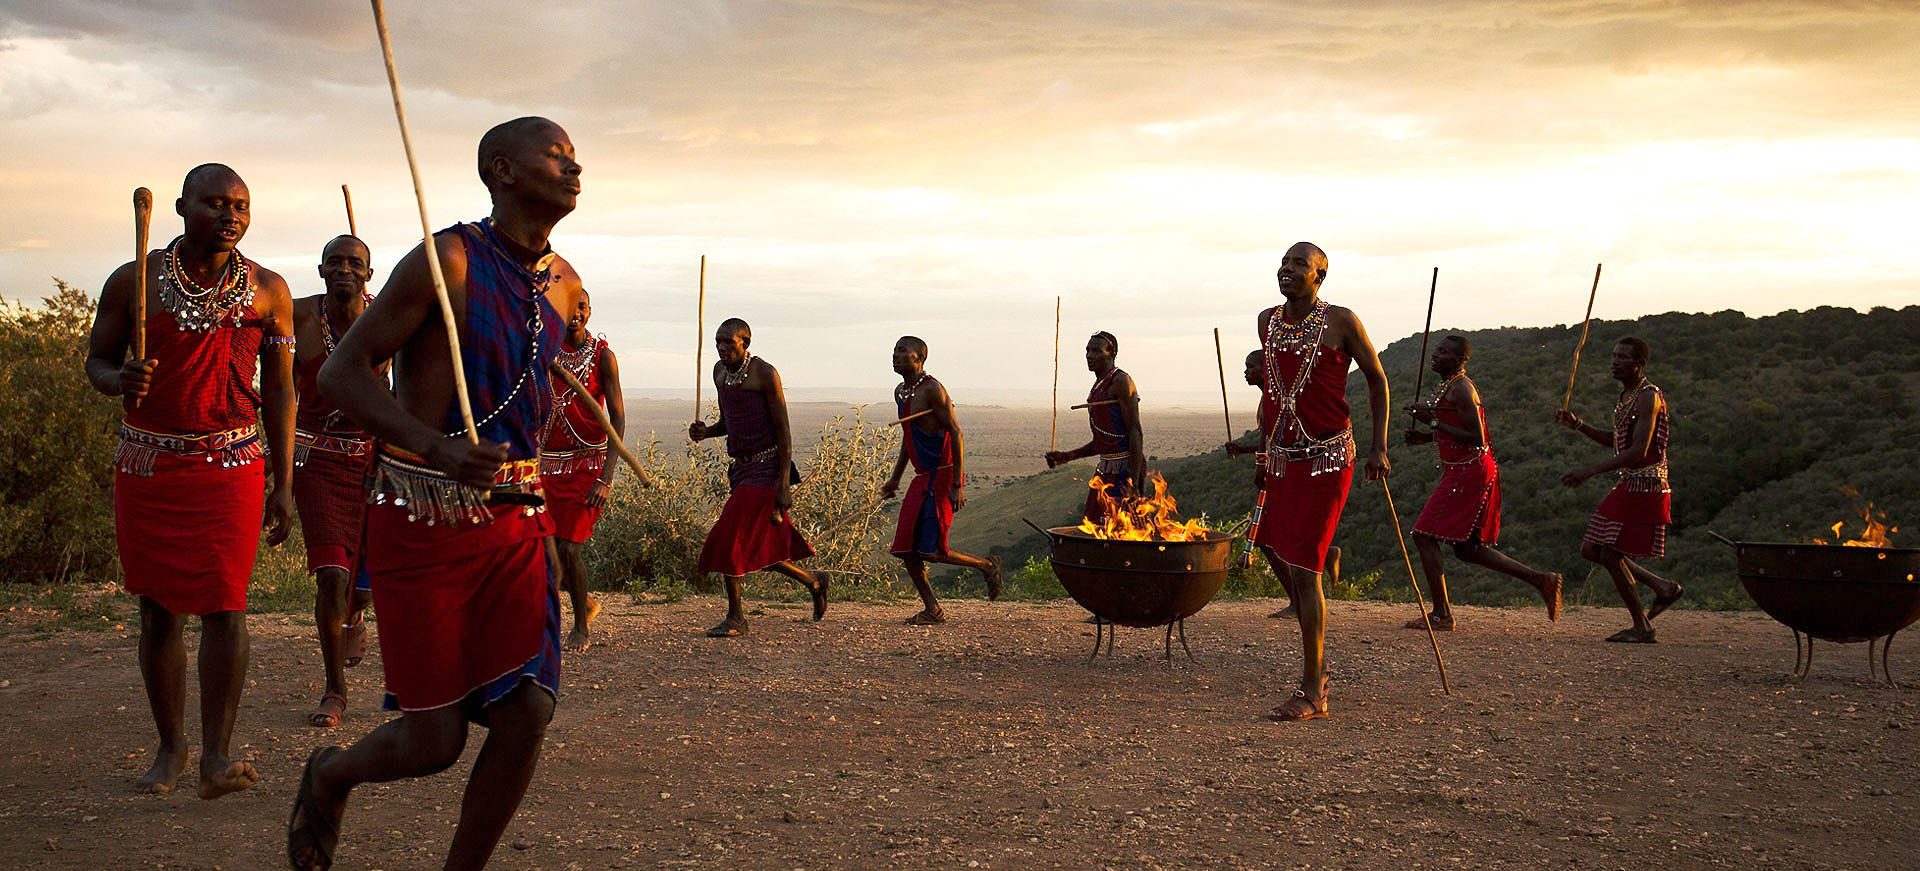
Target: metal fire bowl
1831	592
1140	583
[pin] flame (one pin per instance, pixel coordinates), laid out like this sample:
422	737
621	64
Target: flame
1875	532
1141	518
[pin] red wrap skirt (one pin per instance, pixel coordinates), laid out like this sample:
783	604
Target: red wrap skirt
926	515
1633	522
1465	505
751	535
188	533
1301	512
466	613
330	491
567	503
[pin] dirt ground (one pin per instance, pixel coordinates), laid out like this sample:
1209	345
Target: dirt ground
993	743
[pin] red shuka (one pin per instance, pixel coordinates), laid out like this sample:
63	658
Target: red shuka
1301	507
1634	516
331	458
575	453
1465	505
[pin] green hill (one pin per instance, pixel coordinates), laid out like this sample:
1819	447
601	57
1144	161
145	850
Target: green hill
1783	425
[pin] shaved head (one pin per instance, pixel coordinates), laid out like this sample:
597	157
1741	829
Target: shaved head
208	173
347	242
918	345
507	140
731	326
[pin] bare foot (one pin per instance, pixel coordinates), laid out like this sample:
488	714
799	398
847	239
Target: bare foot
1434	621
1287	613
218	779
992	575
819	596
1551	585
1633	635
1662	602
933	616
166	769
732	627
578	640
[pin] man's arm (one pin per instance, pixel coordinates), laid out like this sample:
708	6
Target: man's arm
108	369
700	429
277	402
616	408
1355	342
404	308
1646	408
942	405
1573	422
1123	392
1466	403
782	433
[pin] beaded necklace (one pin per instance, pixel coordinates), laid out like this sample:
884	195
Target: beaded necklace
327	337
1623	409
904	392
1302	338
736	377
200	309
1440	394
579	361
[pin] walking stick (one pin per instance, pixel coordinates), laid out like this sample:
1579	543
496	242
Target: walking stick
1053	431
606	424
1417	598
1568	399
700	337
1420	372
353	229
1220	363
426	231
142	214
910	417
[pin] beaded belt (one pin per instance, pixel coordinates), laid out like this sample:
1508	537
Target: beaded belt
1646	479
588	459
1330	454
305	443
404	479
234	447
1114	464
1472	459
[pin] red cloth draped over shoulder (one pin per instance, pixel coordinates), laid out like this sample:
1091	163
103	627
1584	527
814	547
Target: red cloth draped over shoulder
575	454
1465	505
1302	509
926	512
751	533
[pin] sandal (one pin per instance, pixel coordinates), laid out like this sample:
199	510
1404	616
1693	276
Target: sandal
819	595
993	580
1300	708
1550	591
307	833
327	714
1662	603
1633	635
934	617
353	641
1437	624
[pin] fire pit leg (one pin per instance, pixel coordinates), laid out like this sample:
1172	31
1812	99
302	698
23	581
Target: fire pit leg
1111	631
1183	638
1809	669
1166	644
1885	645
1099	628
1872	663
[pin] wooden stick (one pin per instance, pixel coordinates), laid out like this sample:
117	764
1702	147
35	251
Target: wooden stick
700	338
909	417
1420	375
142	216
1095	404
1220	363
353	229
1053	431
606	423
1567	400
426	231
1417	598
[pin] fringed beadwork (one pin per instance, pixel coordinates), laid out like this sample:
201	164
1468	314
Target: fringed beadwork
429	496
231	448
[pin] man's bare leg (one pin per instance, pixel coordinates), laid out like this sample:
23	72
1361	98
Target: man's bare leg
224	651
930	612
815	582
988	569
1665	592
1311	700
163	669
1286	581
573	576
353	640
1616	565
1433	566
1547	584
516	730
329	619
735	623
417	744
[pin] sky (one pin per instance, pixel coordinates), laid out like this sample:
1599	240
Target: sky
856	170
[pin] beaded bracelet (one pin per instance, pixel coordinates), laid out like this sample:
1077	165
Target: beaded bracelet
273	341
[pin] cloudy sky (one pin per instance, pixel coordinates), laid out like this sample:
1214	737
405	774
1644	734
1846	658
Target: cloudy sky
859	169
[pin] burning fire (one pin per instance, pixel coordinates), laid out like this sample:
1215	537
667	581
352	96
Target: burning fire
1141	518
1876	533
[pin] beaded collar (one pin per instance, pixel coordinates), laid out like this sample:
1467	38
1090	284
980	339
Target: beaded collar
579	361
736	377
904	392
1303	339
327	337
200	309
1440	393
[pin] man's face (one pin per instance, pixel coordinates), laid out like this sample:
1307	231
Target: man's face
343	266
543	168
215	211
1446	358
1301	272
731	345
1099	354
906	359
582	312
1625	363
1256	362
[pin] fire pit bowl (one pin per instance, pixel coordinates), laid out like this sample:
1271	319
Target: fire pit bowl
1141	584
1835	593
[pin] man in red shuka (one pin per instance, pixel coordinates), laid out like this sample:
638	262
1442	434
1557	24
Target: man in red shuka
574	466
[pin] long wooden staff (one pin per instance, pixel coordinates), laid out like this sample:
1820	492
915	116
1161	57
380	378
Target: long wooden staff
922	413
1567	400
1053	431
353	229
700	338
1220	363
426	231
606	423
1420	375
142	214
1417	598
